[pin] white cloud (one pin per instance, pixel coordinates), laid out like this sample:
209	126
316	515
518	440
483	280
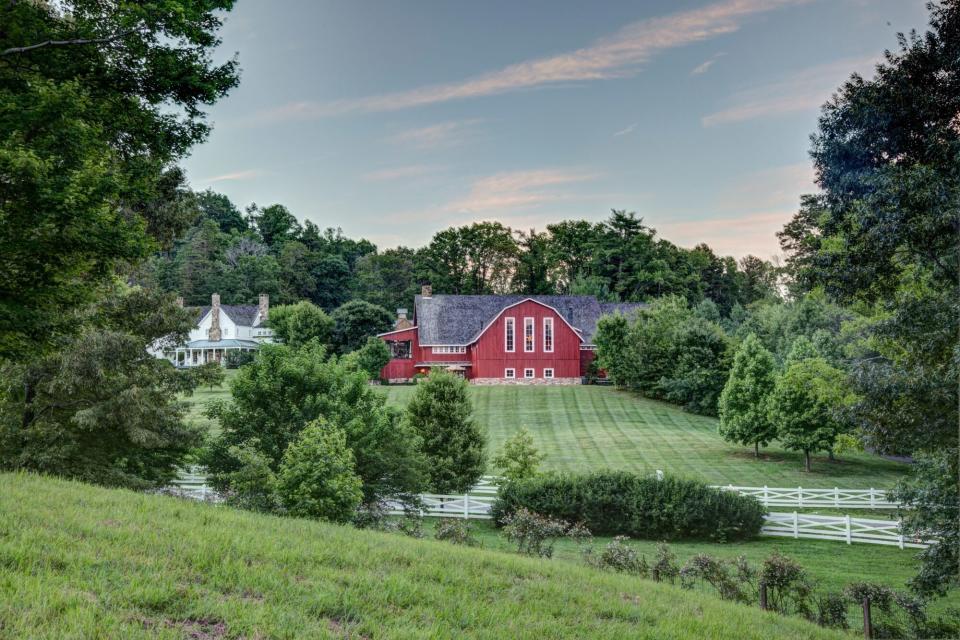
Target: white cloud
735	236
805	90
705	66
627	130
616	56
437	136
247	174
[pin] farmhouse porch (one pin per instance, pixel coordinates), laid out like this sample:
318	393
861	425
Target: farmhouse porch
198	352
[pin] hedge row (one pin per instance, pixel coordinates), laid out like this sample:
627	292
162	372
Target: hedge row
621	503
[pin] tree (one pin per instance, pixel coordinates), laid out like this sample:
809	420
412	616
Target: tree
100	408
356	321
219	209
441	412
534	269
298	324
275	224
805	405
99	102
519	458
744	415
700	366
284	389
388	278
317	478
372	357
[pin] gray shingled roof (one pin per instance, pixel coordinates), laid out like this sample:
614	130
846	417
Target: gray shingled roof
241	314
454	319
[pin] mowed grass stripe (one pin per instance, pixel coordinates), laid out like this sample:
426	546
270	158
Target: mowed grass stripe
581	428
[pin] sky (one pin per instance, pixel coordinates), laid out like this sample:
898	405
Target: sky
394	120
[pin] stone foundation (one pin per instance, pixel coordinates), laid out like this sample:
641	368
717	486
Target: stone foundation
527	381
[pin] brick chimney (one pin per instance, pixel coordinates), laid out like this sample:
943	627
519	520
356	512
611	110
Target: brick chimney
214	333
264	307
402	322
426	291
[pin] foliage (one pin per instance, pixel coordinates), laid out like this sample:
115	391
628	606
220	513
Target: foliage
455	531
317	477
237	358
298	324
355	322
253	484
99	101
805	405
372	357
724	577
100	407
440	411
665	565
209	374
743	403
619	557
788	588
284	389
667	351
932	498
536	535
519	458
620	503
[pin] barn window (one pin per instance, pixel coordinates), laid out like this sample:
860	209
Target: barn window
528	337
509	373
528	373
447	350
548	373
548	335
399	349
509	330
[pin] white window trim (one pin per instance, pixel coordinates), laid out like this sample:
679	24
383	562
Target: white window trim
548	322
532	373
510	374
548	373
532	323
509	324
441	350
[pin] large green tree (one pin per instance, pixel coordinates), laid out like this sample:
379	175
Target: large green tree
298	324
99	407
356	321
744	417
97	102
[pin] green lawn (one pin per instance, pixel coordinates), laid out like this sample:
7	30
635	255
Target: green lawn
78	561
581	428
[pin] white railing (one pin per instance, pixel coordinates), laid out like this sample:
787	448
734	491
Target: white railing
842	528
800	497
192	483
467	506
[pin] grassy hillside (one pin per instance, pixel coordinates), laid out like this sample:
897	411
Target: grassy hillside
84	562
589	427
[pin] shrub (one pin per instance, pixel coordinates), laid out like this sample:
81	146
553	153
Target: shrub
252	485
665	566
621	503
831	610
535	534
619	557
717	574
519	459
455	531
317	478
788	589
236	359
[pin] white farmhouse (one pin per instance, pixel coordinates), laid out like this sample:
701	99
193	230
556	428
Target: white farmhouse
222	328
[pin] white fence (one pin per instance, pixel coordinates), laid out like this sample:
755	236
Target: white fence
800	497
192	483
843	528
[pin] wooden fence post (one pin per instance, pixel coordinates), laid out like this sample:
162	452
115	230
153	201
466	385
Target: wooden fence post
796	525
873	500
836	497
763	595
800	496
867	623
466	506
847	519
766	499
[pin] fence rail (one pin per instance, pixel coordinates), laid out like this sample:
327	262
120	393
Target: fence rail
800	497
843	528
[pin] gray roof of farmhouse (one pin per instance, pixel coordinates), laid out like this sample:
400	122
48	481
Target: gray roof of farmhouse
242	314
455	319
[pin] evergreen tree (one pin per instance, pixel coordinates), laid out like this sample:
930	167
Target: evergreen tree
441	412
744	416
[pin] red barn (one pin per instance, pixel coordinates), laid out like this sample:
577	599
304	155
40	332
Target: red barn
498	339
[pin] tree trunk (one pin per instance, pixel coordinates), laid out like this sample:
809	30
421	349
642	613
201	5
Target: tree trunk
806	459
756	450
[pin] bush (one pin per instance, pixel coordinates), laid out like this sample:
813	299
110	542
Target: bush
236	359
619	557
317	478
252	485
455	531
519	458
621	503
535	534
